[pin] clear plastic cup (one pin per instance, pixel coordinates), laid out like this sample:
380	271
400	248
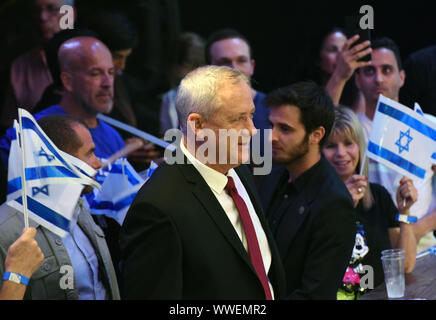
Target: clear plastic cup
393	267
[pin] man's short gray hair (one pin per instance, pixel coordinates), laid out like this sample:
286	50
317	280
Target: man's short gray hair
198	91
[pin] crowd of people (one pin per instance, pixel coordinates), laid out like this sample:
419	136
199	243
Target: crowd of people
207	227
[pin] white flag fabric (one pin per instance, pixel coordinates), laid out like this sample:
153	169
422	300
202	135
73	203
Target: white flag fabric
54	179
119	185
402	139
418	109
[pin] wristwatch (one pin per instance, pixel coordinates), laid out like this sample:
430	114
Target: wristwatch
405	218
16	277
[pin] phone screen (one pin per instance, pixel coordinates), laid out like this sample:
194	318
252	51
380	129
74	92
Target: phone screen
353	28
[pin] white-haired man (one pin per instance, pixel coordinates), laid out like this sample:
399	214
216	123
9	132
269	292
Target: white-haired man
196	230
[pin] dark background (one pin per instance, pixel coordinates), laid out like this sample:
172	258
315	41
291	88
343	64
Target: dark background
283	34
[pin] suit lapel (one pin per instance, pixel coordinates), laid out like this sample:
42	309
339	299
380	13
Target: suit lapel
89	231
213	208
268	186
85	222
252	193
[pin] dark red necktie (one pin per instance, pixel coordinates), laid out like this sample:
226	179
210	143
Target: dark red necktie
250	234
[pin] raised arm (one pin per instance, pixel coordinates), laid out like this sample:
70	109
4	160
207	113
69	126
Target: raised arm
347	62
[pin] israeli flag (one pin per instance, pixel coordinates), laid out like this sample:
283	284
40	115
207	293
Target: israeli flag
53	179
120	184
418	109
402	139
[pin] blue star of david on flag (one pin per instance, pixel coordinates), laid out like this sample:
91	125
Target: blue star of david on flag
38	164
44	190
402	147
395	127
49	157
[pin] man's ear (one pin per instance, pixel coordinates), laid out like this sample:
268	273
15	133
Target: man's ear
402	77
67	79
316	135
195	122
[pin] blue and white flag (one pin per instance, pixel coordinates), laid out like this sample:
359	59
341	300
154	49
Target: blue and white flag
418	109
54	179
402	139
119	185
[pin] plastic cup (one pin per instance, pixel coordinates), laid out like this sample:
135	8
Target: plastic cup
391	252
393	267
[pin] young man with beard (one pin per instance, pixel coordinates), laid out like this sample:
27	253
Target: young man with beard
308	207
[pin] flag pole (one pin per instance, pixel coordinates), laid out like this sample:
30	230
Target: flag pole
362	166
23	172
123	152
144	135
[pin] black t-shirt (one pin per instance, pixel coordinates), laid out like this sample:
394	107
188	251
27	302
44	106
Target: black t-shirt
287	193
376	222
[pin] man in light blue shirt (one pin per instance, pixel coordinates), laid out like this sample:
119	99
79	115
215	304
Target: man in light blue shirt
79	265
84	261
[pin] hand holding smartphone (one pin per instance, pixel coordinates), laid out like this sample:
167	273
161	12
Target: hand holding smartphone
353	28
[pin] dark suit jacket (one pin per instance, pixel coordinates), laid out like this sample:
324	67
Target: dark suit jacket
178	243
316	234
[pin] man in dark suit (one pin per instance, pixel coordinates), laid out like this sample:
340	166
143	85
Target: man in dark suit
309	209
196	228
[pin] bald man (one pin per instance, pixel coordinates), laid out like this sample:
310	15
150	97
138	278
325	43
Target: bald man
87	74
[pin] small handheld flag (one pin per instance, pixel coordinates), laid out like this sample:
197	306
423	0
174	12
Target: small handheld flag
120	184
44	182
402	139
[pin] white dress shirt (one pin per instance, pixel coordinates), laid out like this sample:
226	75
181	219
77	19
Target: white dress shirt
217	182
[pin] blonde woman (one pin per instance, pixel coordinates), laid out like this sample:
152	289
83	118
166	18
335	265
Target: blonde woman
378	227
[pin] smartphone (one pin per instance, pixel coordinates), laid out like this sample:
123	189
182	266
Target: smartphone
353	28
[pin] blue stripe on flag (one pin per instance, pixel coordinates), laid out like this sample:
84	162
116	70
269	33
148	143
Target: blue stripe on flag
49	172
434	155
108	205
46	213
42	172
408	120
399	161
14	185
29	124
82	171
150	172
